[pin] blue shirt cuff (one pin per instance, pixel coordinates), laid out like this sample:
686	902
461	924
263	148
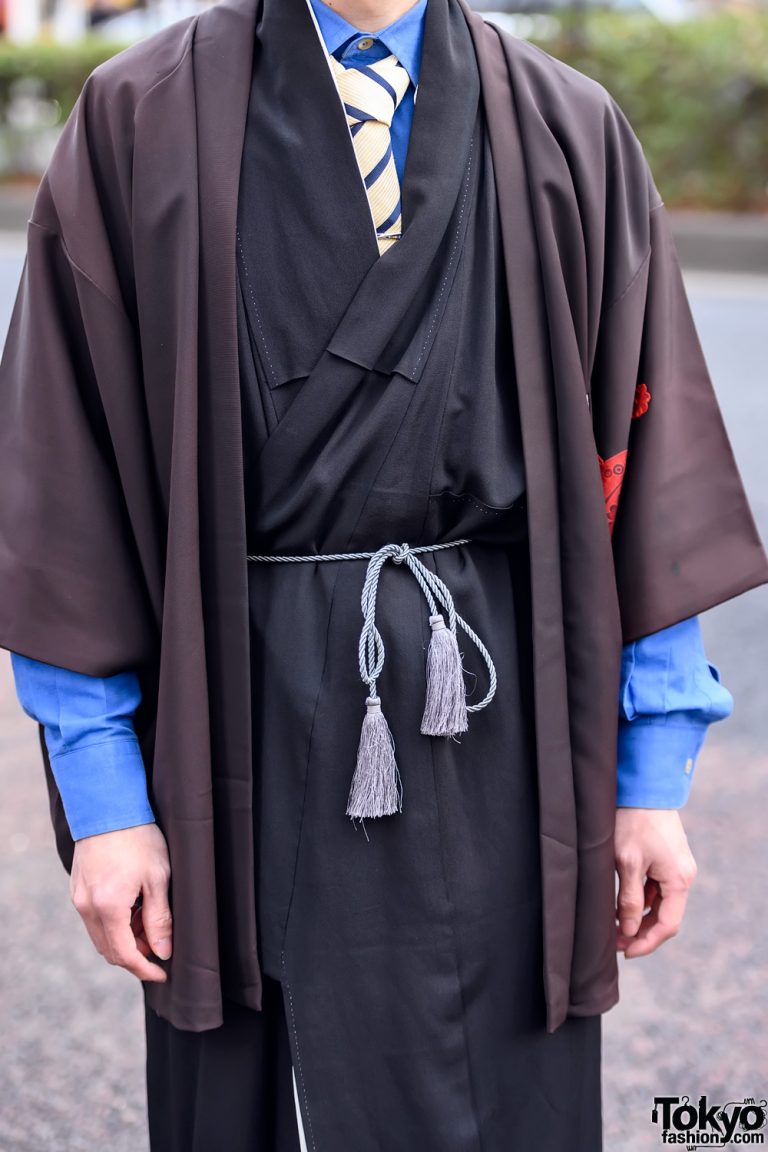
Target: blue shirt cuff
656	760
103	786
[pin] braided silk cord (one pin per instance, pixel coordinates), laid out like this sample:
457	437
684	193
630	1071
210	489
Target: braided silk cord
371	648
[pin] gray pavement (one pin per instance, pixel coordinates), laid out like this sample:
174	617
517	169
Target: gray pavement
692	1018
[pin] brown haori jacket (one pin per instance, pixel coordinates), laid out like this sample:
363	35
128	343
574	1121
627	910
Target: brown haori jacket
122	529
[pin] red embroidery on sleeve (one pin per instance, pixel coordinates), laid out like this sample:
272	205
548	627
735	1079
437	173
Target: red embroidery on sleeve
612	470
612	473
642	400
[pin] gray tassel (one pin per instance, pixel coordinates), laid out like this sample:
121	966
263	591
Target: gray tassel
445	710
376	789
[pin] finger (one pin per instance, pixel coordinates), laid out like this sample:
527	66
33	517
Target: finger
138	931
144	948
156	918
649	919
662	923
652	894
123	950
630	900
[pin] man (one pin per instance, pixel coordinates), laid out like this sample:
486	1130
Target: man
304	331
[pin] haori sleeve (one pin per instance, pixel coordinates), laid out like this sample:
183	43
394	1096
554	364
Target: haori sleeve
74	467
684	537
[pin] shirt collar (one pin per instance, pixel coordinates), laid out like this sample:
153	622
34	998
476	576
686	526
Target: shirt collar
403	37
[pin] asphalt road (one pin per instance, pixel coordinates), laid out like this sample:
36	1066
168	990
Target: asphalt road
692	1018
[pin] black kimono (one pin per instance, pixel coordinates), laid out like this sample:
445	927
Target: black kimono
238	373
408	948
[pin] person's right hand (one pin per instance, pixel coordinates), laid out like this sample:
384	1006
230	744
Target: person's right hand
109	872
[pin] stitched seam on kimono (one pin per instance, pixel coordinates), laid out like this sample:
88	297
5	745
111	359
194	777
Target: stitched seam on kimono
436	310
256	310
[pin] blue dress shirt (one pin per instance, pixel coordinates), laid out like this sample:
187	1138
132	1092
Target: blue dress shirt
669	692
668	695
95	755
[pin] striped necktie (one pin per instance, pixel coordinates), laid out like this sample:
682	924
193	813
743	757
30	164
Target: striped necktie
371	94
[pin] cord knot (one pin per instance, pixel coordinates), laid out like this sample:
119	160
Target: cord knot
376	786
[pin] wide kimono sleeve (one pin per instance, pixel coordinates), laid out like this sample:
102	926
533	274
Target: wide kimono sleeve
76	550
684	537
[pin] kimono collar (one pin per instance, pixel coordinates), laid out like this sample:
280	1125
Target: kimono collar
306	239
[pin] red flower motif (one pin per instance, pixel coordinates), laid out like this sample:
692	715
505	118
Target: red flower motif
642	400
612	473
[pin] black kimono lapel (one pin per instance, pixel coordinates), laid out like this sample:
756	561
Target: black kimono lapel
311	271
326	432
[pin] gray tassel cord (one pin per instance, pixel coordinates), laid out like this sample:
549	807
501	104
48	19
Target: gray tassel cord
376	788
445	710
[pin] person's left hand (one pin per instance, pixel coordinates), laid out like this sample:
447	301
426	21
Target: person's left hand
656	869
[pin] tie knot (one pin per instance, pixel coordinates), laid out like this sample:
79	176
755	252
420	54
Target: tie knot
372	91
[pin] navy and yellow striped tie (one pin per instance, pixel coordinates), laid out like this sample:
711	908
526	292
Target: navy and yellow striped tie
371	94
